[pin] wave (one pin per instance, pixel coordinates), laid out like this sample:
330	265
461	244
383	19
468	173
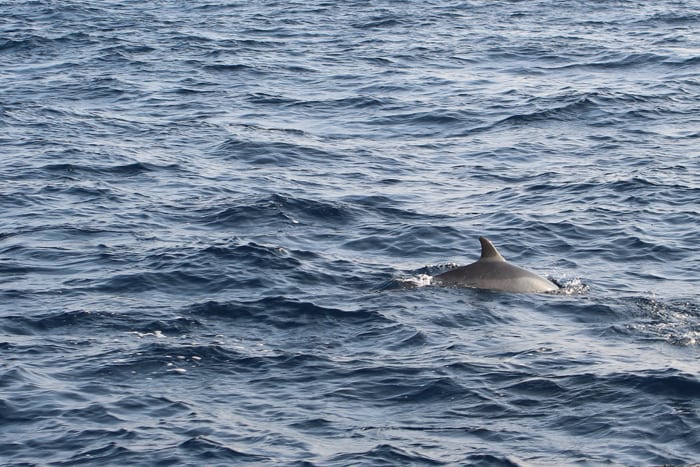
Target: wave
43	44
272	209
335	104
569	111
599	109
209	450
233	68
615	60
284	313
383	454
271	153
132	169
173	271
421	239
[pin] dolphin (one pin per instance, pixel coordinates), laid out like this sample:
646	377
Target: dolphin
493	272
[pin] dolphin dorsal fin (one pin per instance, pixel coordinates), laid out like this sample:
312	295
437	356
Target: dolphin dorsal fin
488	251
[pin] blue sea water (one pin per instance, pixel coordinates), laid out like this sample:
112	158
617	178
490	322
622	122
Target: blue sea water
220	221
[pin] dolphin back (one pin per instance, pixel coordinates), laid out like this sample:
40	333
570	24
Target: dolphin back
493	272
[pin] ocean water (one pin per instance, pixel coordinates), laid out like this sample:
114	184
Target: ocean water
219	223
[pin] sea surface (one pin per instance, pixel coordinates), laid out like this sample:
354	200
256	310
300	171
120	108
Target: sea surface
219	223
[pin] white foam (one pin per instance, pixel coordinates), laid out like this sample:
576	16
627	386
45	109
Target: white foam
420	280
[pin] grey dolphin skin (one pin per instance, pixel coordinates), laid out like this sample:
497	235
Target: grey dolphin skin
494	273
